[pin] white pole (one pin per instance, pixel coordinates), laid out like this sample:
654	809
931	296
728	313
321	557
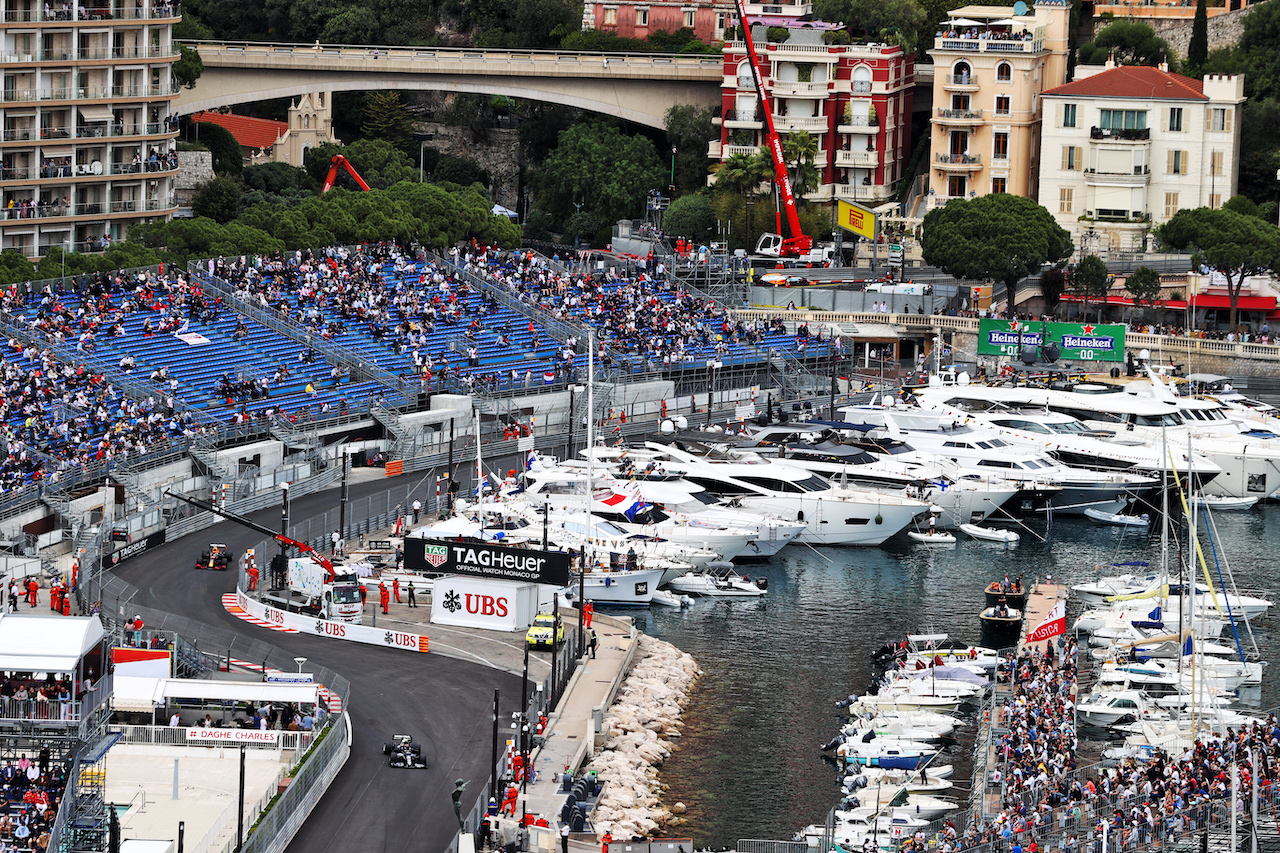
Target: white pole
591	433
1253	804
1235	787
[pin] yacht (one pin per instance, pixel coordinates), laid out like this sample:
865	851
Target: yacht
981	450
831	515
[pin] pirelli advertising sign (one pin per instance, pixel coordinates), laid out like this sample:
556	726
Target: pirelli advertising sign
1076	341
495	562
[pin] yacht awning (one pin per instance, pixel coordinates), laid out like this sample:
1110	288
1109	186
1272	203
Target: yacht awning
96	112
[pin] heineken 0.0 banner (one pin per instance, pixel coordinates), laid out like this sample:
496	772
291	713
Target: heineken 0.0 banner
1076	341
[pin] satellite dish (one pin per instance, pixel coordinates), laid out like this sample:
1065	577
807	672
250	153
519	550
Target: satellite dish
1051	352
1144	354
1020	8
682	422
1029	355
963	378
668	427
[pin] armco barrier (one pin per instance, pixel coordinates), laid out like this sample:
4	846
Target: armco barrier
332	629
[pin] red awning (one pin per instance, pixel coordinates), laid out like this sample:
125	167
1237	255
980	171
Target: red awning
1244	303
1172	304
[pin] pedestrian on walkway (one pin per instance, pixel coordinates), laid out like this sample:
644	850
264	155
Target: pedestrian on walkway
333	538
564	838
509	803
605	842
593	645
413	601
417	510
395	585
33	592
253	576
385	595
588	610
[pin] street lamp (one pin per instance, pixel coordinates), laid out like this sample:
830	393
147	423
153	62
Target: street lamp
423	139
673	171
299	661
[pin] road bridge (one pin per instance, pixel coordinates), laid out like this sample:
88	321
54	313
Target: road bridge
638	87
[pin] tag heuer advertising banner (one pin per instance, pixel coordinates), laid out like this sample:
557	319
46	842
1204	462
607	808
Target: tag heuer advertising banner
1076	341
486	561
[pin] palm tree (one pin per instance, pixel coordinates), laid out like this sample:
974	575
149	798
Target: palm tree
743	174
802	149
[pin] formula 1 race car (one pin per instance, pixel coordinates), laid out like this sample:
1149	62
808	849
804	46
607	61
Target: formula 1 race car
217	557
404	752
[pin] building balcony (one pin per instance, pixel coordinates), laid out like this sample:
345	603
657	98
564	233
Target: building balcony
1127	134
803	52
159	54
858	124
860	192
960	83
855	159
17	96
1140	176
97	131
795	89
963	45
713	149
743	119
941	200
787	9
92	15
813	124
93	169
88	209
953	117
749	150
957	162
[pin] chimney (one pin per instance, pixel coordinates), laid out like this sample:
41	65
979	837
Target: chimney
1164	66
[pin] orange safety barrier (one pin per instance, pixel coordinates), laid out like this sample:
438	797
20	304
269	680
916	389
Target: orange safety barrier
395	468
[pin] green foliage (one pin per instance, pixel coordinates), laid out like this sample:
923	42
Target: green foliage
1130	43
179	240
903	22
231	19
355	25
218	199
1260	150
601	169
688	130
538	226
800	149
278	184
15	267
191	28
1002	237
690	216
460	171
1090	281
386	117
837	37
777	35
378	162
681	41
523	23
742	174
1198	48
227	158
1231	243
1144	285
1258	58
1242	206
1052	284
540	129
477	113
189	67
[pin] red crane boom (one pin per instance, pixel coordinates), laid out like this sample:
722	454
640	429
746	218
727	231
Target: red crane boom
799	242
340	162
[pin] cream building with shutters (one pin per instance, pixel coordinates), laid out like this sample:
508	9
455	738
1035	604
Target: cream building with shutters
1124	148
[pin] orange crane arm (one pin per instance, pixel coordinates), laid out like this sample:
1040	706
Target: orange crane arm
798	242
340	162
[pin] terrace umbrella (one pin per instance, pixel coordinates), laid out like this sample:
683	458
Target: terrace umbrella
965	22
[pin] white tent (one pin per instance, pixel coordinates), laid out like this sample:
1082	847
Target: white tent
504	211
36	643
142	693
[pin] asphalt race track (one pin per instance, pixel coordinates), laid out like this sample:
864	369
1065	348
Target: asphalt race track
445	703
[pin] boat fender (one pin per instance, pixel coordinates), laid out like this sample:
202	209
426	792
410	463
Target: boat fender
608	582
762	583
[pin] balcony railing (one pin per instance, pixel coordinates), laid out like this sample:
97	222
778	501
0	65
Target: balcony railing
792	87
862	87
860	121
61	211
958	159
67	55
1129	134
961	80
989	45
800	122
959	114
856	158
742	115
122	13
98	131
83	93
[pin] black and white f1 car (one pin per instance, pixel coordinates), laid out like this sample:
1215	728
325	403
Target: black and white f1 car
404	752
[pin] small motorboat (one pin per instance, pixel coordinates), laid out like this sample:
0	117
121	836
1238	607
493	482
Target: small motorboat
1001	620
934	537
667	598
1116	518
1011	592
1223	502
991	534
718	580
890	754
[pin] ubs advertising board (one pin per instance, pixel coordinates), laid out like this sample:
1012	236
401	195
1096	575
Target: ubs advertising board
1076	341
477	603
494	562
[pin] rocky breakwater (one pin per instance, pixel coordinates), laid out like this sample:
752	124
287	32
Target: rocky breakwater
638	730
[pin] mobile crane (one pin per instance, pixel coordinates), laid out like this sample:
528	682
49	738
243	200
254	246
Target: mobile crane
320	588
340	162
799	245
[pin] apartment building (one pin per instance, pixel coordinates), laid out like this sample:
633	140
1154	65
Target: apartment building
855	99
1124	148
87	123
632	19
991	64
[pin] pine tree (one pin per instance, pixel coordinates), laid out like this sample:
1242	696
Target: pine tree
386	117
1198	49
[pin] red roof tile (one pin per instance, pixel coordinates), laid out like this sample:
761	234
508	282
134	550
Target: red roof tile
1134	82
249	132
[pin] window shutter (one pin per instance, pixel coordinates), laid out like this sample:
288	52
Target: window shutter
1079	158
1065	156
1057	111
1208	118
1168	165
1186	164
1226	119
1164	119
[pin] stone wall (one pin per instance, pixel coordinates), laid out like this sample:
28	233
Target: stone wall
500	156
1224	30
194	167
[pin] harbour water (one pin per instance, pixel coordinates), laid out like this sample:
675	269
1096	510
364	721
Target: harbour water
748	764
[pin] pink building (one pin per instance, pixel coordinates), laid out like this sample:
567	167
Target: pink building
856	99
633	19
